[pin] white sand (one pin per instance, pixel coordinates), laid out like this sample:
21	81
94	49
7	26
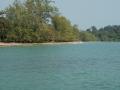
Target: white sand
9	44
27	44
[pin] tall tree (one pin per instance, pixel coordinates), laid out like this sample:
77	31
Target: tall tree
64	28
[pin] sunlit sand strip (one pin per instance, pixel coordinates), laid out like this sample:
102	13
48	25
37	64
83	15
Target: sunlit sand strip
58	43
27	44
9	44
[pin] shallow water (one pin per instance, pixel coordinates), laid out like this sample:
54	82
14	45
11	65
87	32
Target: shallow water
87	66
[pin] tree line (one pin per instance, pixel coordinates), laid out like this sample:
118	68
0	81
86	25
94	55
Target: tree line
37	21
107	33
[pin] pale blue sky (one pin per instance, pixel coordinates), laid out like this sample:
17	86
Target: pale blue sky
86	13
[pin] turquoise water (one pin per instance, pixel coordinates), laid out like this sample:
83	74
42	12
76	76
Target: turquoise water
87	66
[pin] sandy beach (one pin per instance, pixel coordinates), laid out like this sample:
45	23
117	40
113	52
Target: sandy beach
10	44
27	44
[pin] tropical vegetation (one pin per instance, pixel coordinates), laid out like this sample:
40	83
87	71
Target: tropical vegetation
37	21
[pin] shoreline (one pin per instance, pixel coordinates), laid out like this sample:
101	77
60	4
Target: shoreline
28	44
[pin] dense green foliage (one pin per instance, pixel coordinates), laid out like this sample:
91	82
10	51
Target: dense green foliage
108	33
4	27
35	21
86	36
65	31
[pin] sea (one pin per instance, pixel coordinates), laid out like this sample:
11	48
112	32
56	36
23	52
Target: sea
84	66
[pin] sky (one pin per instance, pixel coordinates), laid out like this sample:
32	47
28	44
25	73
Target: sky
86	13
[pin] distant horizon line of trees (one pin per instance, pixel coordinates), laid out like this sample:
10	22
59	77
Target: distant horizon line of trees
107	33
37	21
